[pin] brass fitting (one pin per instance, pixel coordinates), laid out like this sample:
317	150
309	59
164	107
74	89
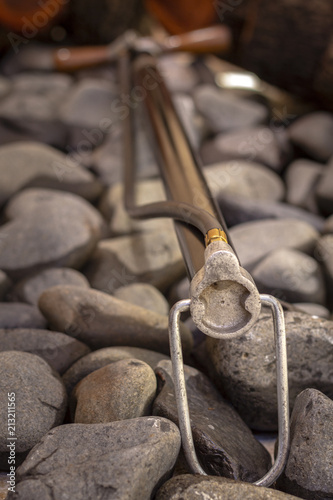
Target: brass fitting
215	235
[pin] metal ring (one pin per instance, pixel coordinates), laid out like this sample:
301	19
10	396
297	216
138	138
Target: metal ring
282	388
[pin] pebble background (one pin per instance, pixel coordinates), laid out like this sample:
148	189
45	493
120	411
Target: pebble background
85	292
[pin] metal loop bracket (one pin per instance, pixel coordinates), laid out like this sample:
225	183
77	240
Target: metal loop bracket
282	388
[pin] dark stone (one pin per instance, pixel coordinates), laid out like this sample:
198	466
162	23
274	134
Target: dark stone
89	104
313	134
32	164
102	357
225	445
143	295
308	472
258	144
313	309
20	315
152	257
291	276
178	72
29	289
58	349
224	112
244	179
100	320
33	104
324	254
107	160
126	460
119	391
195	487
301	179
113	208
50	228
328	226
254	240
245	367
40	401
5	283
324	190
237	210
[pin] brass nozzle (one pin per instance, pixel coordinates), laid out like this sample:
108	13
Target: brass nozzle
215	235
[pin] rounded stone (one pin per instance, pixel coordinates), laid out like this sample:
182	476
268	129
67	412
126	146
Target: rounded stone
121	390
40	400
27	164
291	276
50	228
20	315
224	112
195	487
58	349
247	179
29	289
102	357
143	295
313	134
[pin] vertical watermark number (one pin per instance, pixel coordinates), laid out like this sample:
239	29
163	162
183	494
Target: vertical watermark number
11	438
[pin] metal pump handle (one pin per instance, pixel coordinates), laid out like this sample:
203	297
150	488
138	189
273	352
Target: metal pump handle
282	388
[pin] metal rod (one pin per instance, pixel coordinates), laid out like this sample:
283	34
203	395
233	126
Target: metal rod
179	166
180	386
282	389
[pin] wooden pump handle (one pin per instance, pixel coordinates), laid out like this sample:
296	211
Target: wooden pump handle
215	39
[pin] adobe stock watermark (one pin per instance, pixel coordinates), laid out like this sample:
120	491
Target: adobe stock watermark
49	9
11	438
120	109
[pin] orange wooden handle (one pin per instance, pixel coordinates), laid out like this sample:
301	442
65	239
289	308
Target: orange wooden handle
215	39
72	59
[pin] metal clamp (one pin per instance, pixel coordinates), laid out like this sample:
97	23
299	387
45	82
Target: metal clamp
282	388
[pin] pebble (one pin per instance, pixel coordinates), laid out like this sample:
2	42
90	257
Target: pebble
144	295
313	133
33	103
125	460
178	73
245	367
291	276
28	164
214	426
328	226
29	289
255	144
89	104
324	190
237	210
5	283
313	309
40	401
102	357
146	191
301	178
50	229
100	320
245	179
309	472
58	349
254	240
121	390
224	112
190	119
152	257
107	159
324	254
20	315
195	487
